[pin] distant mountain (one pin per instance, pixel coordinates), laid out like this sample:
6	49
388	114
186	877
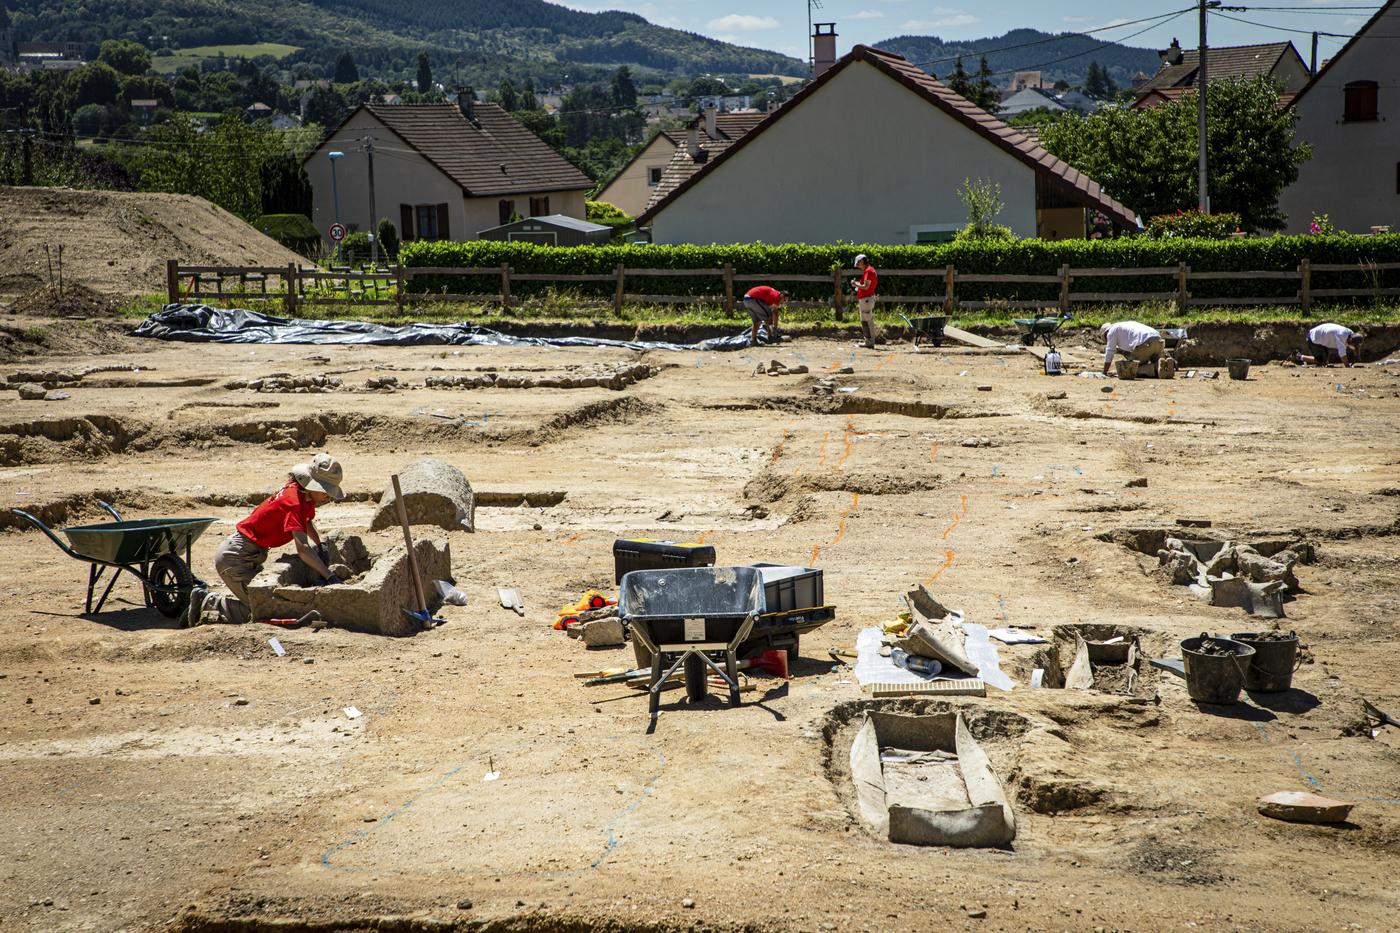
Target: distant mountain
484	40
1064	56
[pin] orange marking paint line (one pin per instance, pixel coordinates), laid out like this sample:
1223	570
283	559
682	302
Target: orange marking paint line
956	519
569	542
846	453
933	448
778	451
891	356
821	460
947	562
840	528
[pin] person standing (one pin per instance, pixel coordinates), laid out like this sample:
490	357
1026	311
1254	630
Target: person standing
287	516
762	302
1135	341
865	298
1328	343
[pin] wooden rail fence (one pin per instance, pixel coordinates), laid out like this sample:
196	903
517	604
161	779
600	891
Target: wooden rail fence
391	286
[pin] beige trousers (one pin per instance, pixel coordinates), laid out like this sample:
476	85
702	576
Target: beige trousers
237	562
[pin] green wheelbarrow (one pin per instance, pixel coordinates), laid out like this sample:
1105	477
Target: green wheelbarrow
928	328
1041	329
149	549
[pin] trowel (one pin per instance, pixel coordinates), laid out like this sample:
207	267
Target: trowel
510	599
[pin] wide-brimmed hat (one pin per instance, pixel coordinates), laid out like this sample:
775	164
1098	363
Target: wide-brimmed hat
322	474
859	259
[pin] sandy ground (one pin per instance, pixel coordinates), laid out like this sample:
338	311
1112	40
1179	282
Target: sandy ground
152	776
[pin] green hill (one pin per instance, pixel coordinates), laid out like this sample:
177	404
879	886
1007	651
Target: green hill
1065	56
474	41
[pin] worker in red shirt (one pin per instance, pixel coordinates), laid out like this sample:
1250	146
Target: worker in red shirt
762	303
285	517
865	298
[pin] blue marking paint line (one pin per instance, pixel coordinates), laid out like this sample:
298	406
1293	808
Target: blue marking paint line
613	841
1298	763
383	821
996	470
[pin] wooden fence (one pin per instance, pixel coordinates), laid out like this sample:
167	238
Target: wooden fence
392	286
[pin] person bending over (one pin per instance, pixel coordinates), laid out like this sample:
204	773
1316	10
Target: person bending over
1135	341
762	302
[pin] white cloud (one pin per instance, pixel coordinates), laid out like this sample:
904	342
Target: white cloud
876	14
742	22
945	20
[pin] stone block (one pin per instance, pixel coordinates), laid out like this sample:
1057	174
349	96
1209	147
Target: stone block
434	493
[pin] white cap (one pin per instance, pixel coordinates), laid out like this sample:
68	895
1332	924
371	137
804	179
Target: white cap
860	258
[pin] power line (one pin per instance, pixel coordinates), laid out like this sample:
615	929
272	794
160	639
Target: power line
1066	58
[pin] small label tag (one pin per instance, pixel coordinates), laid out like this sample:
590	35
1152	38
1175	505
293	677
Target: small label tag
277	647
694	629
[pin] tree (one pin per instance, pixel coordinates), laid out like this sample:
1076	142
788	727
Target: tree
984	91
425	73
127	57
97	83
224	165
326	106
526	97
1147	158
345	70
624	92
1098	84
388	238
959	82
982	200
510	101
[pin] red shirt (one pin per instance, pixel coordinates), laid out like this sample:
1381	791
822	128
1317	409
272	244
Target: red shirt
868	280
272	523
766	294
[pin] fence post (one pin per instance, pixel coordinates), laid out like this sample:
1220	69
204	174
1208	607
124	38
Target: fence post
838	300
617	292
1064	288
729	288
1305	286
172	281
399	284
949	299
1183	277
505	286
289	307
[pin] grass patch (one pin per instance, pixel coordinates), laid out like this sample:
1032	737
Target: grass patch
169	64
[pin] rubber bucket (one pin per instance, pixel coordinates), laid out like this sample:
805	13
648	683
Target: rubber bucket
1215	678
1239	369
1275	661
1127	369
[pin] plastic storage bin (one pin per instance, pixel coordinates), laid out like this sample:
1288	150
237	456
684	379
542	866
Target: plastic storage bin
646	554
788	588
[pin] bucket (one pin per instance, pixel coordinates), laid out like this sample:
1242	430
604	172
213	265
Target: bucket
1275	660
1166	368
1215	678
1239	369
1127	369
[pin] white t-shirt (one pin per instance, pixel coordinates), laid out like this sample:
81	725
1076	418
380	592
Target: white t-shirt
1332	336
1125	335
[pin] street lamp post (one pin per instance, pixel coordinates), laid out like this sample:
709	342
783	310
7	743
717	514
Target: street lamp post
335	192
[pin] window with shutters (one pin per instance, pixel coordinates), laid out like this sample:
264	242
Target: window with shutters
427	221
539	207
506	210
1361	101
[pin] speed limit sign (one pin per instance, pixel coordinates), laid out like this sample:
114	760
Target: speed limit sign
337	232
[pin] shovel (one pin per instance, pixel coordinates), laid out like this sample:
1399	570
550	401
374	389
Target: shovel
423	617
1379	716
510	599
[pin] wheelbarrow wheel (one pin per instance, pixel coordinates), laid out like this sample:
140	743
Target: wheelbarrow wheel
171	584
697	685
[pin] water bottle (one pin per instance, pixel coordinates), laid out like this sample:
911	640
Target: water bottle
913	662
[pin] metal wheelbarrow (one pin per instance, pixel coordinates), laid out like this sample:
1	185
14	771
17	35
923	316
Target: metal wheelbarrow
692	617
1041	329
149	549
928	328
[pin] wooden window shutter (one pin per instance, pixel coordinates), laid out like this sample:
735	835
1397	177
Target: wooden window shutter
406	222
442	230
1361	101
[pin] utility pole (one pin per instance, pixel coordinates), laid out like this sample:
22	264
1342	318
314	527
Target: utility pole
373	213
1202	82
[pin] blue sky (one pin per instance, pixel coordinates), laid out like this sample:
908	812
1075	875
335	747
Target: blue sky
782	24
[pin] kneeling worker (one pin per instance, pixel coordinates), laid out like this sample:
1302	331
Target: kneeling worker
1328	343
762	302
287	516
1135	341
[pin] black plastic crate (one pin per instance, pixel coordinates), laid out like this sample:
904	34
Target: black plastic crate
789	588
645	554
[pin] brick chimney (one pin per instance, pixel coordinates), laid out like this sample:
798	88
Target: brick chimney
823	48
466	102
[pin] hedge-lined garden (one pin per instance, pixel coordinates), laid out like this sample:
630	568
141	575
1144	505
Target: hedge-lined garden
1022	257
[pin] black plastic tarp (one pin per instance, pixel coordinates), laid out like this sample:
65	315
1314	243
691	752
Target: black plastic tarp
203	324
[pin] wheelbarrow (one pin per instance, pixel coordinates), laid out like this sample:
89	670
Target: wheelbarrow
692	617
928	328
148	548
1041	329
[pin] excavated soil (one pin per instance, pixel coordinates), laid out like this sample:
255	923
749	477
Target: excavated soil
154	777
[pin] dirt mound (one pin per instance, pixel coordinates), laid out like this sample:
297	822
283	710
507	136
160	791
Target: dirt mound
623	410
70	301
116	243
771	486
29	338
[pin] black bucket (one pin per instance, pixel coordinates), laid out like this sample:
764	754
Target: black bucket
1215	678
1275	660
1239	369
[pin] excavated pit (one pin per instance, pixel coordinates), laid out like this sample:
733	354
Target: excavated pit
1118	668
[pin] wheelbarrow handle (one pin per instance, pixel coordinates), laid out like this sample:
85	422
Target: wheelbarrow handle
110	510
34	520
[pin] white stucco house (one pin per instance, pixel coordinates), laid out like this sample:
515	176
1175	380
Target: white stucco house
440	172
1350	114
874	150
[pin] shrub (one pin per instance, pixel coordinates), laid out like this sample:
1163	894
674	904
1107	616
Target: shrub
389	237
982	200
1321	223
294	231
1193	224
601	211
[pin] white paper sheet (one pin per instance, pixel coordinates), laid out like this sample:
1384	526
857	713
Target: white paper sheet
983	653
1015	636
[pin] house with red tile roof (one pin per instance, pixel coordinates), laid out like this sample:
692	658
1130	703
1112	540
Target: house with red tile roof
875	150
1278	61
441	172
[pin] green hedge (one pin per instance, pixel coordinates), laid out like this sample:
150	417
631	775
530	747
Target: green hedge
1023	257
294	231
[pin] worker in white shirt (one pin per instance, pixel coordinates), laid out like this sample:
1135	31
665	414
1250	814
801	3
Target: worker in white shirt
1135	341
1331	343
